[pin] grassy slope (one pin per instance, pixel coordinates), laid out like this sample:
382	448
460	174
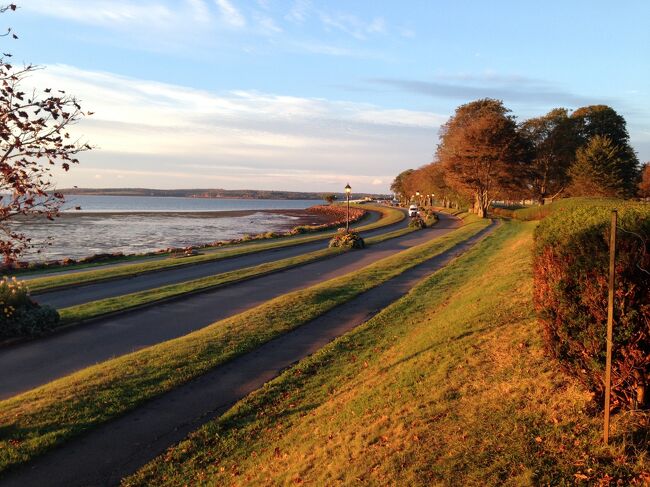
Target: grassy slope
93	309
39	419
447	386
389	216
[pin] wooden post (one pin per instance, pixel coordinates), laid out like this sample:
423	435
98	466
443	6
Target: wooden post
610	323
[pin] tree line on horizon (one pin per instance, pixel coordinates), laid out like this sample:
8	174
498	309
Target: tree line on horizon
484	155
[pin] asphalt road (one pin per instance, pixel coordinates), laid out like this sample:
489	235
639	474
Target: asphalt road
33	363
118	448
63	298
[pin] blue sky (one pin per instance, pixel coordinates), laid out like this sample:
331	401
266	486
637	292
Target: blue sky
307	95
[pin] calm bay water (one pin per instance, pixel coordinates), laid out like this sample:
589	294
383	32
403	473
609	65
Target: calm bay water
134	224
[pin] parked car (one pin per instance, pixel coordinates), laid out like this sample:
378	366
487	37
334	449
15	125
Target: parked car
413	210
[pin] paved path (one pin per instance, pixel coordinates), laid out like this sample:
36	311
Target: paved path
118	448
117	287
33	363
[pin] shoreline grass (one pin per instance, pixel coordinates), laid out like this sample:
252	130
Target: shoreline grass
390	216
447	386
42	418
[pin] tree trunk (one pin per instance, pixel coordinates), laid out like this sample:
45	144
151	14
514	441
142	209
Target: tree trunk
480	205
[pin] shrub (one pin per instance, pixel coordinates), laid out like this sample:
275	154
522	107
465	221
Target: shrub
417	222
350	239
571	267
504	212
19	314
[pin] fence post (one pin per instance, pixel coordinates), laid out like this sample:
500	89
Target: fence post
610	323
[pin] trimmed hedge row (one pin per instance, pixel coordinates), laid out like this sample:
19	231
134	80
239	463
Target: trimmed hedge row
571	267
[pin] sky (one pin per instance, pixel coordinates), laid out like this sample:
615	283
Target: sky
304	95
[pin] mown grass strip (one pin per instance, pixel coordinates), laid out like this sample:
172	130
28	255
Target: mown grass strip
94	309
389	217
38	420
450	384
101	307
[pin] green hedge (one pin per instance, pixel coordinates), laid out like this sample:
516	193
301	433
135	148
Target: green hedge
571	266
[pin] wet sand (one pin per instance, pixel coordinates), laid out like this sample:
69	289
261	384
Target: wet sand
81	234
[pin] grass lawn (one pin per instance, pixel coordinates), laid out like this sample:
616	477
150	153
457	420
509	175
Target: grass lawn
389	216
94	309
447	386
37	420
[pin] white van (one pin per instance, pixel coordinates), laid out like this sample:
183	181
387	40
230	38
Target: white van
413	210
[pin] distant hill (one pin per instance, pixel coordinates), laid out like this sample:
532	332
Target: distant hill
211	193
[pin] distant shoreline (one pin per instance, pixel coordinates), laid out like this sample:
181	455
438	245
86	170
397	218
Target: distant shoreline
201	193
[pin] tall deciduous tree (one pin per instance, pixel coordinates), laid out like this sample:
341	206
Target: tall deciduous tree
480	150
34	138
552	140
600	120
602	168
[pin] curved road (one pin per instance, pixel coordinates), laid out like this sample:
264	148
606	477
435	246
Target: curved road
110	451
72	296
30	364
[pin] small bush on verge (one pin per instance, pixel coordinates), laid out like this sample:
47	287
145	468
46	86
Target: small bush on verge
19	314
417	222
350	240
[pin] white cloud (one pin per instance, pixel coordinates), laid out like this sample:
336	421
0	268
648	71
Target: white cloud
299	11
230	14
200	10
104	12
352	25
267	24
285	141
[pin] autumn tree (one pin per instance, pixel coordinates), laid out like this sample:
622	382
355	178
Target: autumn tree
400	184
329	198
481	152
602	168
552	141
430	179
34	138
644	183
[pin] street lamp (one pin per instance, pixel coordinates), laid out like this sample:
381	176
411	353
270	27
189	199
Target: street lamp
348	190
417	199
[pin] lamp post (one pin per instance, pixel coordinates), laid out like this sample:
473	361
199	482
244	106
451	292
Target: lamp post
348	190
